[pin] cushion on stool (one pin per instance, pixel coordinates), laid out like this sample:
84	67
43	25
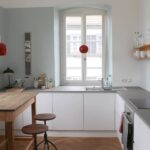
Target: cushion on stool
45	116
34	129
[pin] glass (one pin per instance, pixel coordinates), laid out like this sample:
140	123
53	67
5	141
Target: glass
94	41
73	42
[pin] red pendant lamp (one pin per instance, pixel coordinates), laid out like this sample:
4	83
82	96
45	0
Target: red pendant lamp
3	49
83	48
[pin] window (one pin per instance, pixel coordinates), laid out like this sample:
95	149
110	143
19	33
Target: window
83	27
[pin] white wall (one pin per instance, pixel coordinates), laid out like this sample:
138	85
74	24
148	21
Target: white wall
39	21
2	33
124	24
144	28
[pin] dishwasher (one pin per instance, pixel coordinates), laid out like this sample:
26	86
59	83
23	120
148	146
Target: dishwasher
127	136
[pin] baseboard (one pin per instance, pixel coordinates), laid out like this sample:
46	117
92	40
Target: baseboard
73	133
82	133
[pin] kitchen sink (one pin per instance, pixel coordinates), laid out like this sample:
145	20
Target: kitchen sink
94	88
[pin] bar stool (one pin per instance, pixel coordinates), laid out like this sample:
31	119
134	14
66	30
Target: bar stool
45	117
34	129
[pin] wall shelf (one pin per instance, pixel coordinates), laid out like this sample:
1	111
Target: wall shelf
142	52
144	47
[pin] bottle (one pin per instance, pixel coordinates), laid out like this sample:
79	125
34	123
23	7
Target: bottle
36	83
136	39
141	40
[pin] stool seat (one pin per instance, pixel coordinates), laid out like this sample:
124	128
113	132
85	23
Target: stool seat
45	116
34	129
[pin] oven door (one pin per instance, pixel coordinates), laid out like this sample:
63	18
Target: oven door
127	136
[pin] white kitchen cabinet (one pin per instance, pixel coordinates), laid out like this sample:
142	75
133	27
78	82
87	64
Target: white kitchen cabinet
99	110
120	108
18	123
68	108
141	134
44	105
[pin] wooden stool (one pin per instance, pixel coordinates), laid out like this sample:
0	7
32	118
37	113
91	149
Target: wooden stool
34	129
44	117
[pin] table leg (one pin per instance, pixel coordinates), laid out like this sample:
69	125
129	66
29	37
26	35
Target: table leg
9	135
33	110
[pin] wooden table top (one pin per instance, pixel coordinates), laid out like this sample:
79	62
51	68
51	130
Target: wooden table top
10	101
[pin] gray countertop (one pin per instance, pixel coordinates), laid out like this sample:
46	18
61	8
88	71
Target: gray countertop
137	93
72	89
130	93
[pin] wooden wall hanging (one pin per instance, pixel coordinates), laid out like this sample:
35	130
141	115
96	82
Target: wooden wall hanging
27	46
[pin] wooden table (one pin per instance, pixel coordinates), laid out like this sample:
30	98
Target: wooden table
11	105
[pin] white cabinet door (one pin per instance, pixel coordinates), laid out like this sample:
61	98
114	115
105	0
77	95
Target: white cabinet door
68	108
141	134
44	105
18	123
120	107
99	111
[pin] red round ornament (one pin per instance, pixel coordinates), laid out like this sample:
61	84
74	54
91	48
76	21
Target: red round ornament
3	49
83	48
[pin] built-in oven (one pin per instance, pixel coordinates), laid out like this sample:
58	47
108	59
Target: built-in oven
128	131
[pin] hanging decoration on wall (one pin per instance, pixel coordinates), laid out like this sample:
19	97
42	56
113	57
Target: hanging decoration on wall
3	49
83	48
27	46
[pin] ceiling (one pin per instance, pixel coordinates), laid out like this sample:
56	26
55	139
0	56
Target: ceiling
46	3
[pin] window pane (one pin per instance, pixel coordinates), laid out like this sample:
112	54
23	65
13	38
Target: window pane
94	42
73	41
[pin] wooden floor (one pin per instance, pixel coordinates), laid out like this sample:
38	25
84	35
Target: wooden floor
64	143
87	143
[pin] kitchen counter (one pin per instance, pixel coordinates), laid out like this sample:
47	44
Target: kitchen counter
137	93
75	89
130	93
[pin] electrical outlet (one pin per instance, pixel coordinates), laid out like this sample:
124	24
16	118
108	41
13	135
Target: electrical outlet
130	80
124	80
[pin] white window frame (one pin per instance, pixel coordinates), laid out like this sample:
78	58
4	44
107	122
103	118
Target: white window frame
77	12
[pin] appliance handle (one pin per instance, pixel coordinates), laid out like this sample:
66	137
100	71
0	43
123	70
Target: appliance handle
126	118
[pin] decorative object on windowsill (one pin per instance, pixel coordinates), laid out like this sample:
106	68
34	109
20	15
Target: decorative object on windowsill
27	46
83	48
48	84
41	80
3	49
9	73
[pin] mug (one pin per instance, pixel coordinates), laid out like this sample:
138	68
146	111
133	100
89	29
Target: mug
142	54
148	53
137	54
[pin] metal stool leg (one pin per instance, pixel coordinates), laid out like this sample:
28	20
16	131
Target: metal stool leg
35	145
47	141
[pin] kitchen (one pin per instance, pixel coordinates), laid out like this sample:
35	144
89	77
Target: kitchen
43	23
